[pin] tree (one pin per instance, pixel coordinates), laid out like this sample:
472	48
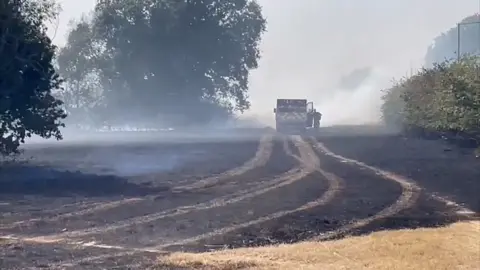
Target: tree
170	57
27	75
445	45
82	93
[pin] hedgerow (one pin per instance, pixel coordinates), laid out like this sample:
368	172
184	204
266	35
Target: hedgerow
444	99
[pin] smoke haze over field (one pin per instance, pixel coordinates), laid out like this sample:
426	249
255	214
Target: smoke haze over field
311	44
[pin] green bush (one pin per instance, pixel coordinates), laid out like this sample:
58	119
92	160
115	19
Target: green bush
441	99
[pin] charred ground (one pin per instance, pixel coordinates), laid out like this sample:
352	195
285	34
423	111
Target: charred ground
260	190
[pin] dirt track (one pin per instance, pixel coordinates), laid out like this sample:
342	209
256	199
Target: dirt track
160	197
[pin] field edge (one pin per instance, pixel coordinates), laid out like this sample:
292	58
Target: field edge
452	247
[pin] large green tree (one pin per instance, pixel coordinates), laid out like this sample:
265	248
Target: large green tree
445	45
190	59
27	75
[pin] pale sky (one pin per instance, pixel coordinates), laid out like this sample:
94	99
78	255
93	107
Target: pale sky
311	43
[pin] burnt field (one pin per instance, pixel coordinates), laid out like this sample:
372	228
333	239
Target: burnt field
124	205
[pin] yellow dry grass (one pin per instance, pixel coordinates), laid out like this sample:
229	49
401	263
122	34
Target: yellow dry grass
454	247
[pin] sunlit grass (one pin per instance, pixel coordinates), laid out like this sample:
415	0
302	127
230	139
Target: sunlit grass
453	247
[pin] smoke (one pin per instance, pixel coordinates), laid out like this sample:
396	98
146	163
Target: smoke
312	44
353	105
358	106
355	78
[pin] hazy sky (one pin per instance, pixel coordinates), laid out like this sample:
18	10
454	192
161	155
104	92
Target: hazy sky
311	43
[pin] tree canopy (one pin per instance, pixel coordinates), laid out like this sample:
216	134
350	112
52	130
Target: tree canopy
138	60
27	74
445	45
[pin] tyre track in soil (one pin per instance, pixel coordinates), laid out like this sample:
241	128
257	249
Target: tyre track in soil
413	203
414	208
148	223
277	164
356	207
12	209
32	208
409	195
41	250
17	255
459	209
264	186
431	163
332	186
79	209
141	212
316	181
290	186
262	155
260	159
404	201
282	192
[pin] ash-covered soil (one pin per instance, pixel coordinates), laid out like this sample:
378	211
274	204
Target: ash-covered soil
436	165
123	206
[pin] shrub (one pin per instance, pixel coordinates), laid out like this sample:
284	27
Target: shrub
444	99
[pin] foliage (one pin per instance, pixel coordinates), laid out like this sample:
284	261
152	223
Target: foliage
164	57
27	75
82	93
445	98
445	46
393	105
